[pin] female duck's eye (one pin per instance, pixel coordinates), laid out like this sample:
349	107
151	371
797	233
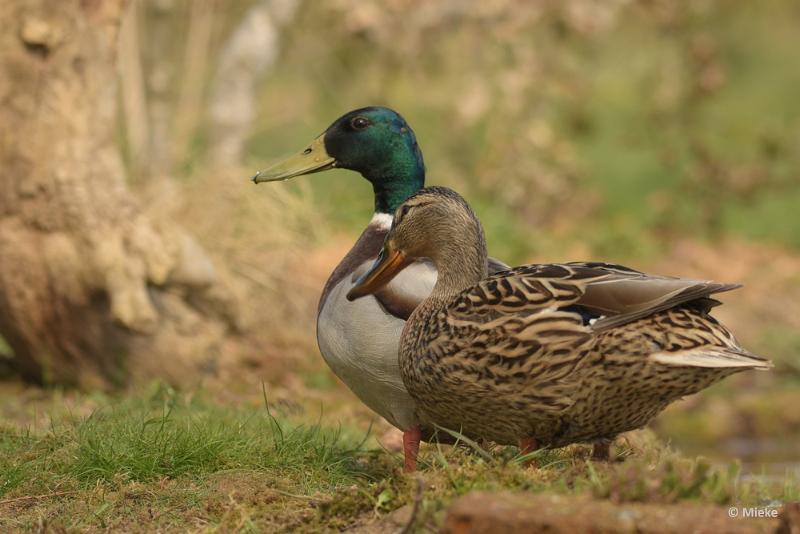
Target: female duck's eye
359	123
404	211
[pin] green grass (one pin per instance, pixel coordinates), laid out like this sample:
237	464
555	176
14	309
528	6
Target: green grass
143	443
165	435
175	461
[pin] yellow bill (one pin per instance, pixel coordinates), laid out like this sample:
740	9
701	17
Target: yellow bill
313	159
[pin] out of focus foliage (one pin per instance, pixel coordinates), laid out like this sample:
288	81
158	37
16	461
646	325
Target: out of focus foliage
618	125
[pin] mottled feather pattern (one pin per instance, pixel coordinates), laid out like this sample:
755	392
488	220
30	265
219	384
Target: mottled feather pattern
510	351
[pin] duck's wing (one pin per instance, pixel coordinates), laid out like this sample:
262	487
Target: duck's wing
533	321
509	330
606	294
619	295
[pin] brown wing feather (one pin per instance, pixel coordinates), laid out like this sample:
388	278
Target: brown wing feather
509	324
536	353
626	295
620	294
526	289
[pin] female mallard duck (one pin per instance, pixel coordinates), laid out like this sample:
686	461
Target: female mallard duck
547	354
359	340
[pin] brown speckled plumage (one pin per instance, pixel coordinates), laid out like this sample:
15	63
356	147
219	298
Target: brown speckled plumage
561	353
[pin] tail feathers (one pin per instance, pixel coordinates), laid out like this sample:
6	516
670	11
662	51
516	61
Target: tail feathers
712	357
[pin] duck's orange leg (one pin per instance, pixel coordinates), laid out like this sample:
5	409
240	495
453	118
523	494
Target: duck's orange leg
527	446
411	439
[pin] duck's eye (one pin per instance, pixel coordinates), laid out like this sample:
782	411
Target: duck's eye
359	123
404	211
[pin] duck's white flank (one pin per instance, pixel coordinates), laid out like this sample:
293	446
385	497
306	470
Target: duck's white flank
360	342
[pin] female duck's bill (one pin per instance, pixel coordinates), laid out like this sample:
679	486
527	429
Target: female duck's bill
388	265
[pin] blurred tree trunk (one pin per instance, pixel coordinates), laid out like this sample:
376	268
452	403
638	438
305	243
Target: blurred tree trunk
247	55
163	42
92	288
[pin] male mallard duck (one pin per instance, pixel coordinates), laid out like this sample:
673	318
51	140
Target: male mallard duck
544	355
359	340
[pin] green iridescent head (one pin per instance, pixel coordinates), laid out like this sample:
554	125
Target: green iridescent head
376	142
